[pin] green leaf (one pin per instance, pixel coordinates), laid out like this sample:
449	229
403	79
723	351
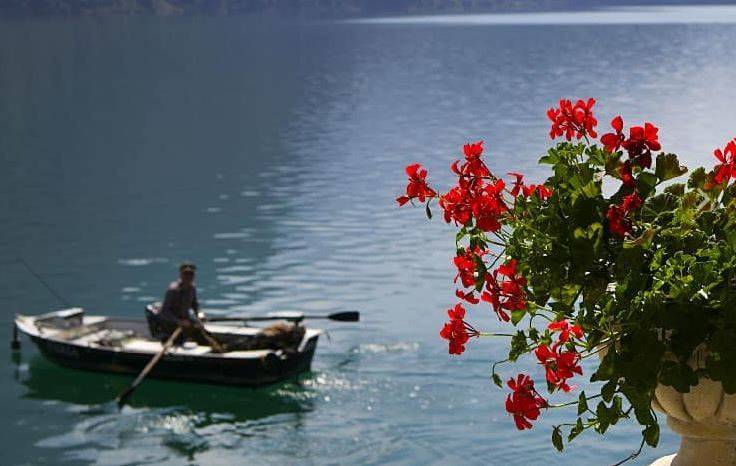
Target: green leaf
697	178
678	375
604	419
608	390
668	167
518	345
645	183
428	211
582	403
461	234
577	429
651	435
557	438
497	380
517	315
676	189
613	165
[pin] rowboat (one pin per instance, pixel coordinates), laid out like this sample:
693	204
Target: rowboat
71	338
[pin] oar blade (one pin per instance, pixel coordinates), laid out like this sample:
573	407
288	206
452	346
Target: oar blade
347	316
123	398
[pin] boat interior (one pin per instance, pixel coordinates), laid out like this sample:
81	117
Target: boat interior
134	335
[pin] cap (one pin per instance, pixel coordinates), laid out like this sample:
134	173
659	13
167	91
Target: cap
187	267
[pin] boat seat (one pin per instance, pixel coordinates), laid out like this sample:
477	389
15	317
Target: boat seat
149	346
232	330
91	337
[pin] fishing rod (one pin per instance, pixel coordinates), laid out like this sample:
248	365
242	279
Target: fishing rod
44	283
15	342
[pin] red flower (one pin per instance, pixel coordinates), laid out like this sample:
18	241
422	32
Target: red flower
417	187
559	365
488	205
456	204
577	120
542	191
625	173
457	331
473	151
466	262
518	184
565	329
473	165
619	222
631	202
524	402
641	141
726	169
612	141
507	294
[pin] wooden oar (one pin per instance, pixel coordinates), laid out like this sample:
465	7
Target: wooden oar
348	316
214	342
125	394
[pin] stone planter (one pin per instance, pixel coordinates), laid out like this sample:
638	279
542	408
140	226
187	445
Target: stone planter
705	418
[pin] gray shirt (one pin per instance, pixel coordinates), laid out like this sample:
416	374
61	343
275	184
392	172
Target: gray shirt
178	301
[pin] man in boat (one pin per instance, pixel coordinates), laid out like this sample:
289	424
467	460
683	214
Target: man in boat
180	309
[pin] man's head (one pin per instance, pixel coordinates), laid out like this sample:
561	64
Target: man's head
186	273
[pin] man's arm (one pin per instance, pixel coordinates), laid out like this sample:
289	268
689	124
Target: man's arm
167	308
195	301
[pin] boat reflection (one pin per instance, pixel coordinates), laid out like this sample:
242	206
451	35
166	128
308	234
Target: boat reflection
47	381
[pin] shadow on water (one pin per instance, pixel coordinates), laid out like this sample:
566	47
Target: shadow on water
47	381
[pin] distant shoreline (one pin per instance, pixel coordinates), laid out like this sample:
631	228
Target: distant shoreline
310	9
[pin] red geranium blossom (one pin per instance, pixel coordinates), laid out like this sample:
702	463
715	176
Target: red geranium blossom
417	187
612	141
631	202
565	329
474	165
626	175
468	273
726	169
456	204
488	205
518	183
524	402
642	139
559	365
542	191
457	331
619	222
641	142
507	294
572	120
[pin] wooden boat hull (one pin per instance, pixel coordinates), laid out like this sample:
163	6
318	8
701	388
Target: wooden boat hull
258	369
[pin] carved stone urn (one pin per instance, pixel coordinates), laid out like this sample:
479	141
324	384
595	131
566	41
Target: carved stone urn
705	418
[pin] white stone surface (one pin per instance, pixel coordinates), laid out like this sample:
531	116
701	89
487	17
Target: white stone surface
705	418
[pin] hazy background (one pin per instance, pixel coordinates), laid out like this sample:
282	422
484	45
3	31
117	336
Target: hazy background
270	152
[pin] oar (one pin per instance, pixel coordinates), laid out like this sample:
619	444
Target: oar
214	342
347	316
125	394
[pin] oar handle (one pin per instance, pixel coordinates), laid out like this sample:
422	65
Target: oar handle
347	316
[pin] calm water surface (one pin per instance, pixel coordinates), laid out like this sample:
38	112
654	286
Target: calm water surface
270	154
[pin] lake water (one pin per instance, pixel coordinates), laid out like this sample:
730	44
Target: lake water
270	153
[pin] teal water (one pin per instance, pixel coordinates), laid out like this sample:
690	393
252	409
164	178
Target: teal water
270	153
